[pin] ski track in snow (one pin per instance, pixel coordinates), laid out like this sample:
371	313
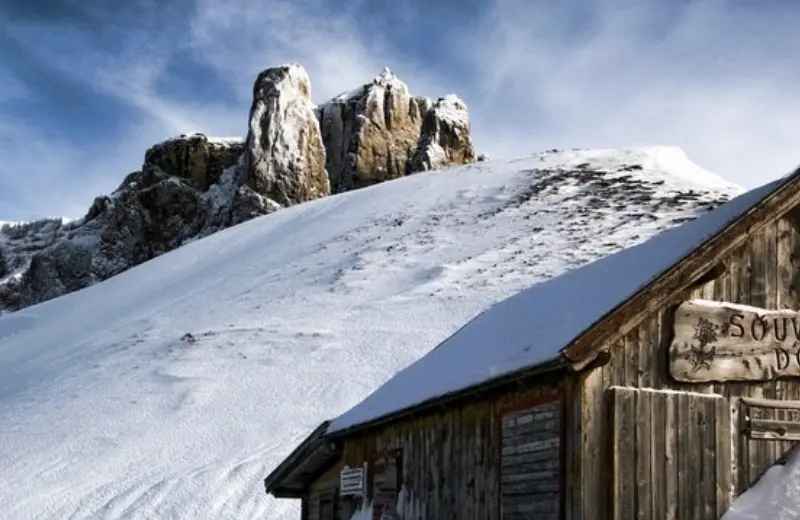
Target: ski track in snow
109	411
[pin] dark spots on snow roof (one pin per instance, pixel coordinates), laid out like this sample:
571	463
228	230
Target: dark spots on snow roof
681	220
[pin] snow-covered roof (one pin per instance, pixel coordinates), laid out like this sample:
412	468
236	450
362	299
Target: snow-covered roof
531	327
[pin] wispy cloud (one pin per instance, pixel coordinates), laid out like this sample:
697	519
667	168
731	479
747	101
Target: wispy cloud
713	79
711	76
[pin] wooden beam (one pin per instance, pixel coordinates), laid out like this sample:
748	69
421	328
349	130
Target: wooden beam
621	320
793	216
776	404
770	429
602	358
710	275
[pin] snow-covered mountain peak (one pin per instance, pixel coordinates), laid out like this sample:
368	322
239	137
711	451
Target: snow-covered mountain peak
652	161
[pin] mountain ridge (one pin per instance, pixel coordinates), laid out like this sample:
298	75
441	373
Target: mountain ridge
192	185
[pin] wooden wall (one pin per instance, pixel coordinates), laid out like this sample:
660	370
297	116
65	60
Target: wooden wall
450	457
765	272
323	489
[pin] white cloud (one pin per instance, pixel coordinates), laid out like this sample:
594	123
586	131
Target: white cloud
45	176
717	81
239	39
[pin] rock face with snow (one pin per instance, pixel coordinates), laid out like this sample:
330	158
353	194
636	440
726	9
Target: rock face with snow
191	186
153	211
372	134
195	158
445	137
285	156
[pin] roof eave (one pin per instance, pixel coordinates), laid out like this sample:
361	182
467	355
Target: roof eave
546	367
315	451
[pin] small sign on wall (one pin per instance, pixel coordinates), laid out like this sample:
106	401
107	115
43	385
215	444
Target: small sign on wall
716	341
352	481
530	461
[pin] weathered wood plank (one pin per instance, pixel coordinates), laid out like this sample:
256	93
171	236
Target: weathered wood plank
755	402
723	473
783	262
707	503
631	355
769	429
642	440
623	402
658	455
760	282
592	454
685	489
532	429
758	268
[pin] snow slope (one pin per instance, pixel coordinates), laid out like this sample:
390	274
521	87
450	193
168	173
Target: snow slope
172	389
776	495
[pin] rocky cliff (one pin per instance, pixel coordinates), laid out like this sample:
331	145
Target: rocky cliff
381	132
193	185
285	155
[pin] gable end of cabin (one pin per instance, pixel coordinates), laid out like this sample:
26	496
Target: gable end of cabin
700	396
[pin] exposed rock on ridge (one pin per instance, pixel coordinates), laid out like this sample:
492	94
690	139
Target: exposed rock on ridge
445	137
285	156
373	133
195	157
193	185
153	211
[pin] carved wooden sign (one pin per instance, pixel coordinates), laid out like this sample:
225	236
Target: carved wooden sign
717	341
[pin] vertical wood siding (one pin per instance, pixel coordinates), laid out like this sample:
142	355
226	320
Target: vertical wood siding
451	458
764	272
322	501
672	470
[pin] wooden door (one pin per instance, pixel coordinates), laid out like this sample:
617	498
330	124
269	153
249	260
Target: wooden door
670	455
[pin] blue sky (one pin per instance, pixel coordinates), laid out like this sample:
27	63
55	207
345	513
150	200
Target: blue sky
87	85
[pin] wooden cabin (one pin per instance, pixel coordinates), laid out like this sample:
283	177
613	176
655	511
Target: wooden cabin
657	383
